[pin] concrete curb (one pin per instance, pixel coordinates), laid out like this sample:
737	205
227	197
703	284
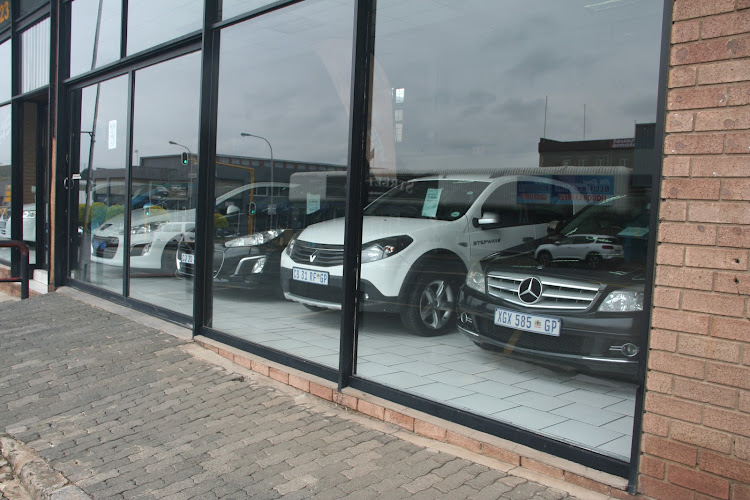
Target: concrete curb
41	481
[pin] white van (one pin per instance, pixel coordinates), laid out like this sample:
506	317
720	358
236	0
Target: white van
419	240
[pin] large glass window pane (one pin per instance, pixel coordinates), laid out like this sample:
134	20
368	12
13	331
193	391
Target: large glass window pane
151	23
95	34
102	189
5	65
231	8
281	161
35	56
29	6
5	180
522	155
164	179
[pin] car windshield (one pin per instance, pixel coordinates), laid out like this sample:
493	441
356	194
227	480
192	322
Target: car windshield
440	199
618	216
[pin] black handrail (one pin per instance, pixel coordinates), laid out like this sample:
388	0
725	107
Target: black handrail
24	279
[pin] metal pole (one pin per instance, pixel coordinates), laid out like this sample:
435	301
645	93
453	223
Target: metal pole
270	216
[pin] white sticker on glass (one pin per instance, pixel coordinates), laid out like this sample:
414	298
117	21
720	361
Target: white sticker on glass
431	201
112	134
313	203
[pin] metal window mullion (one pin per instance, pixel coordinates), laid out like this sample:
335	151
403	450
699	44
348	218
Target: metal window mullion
124	29
129	188
363	49
62	185
203	275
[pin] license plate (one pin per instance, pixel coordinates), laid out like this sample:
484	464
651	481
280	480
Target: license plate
187	258
310	276
528	322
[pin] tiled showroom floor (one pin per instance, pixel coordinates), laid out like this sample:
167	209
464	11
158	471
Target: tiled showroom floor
591	412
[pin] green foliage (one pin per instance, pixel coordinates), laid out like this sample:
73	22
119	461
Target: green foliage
98	214
220	222
114	211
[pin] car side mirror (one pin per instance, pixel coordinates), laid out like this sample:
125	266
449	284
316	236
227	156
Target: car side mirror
554	227
487	220
557	242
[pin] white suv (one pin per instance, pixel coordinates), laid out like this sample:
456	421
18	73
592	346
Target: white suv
419	239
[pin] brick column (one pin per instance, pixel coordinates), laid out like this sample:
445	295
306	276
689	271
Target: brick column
696	427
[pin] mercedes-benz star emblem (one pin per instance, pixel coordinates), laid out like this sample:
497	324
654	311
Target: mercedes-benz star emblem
313	256
530	290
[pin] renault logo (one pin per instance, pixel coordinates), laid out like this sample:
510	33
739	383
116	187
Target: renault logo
313	256
530	290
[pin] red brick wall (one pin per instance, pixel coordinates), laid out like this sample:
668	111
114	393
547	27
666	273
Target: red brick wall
696	428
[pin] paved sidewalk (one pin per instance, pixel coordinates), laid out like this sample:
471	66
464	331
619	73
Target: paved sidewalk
123	410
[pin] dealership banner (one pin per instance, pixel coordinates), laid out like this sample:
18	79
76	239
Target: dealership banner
575	189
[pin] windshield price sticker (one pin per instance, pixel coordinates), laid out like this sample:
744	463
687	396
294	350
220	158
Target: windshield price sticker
310	276
528	322
313	203
431	201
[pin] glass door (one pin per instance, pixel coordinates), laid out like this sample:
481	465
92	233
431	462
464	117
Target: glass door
99	184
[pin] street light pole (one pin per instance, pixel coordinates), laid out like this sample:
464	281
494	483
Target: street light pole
271	205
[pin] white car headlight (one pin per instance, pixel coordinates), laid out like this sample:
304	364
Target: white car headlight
475	277
255	239
290	245
622	301
146	228
380	249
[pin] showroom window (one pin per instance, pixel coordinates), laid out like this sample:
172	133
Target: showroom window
164	176
98	256
289	122
5	65
95	31
35	56
504	273
28	6
152	23
231	8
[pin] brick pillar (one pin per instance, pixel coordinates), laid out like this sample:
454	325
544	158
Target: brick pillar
696	427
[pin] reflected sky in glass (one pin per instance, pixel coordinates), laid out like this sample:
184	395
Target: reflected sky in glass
5	65
85	17
151	23
484	81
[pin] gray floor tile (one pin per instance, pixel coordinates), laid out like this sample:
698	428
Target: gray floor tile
529	418
441	392
402	380
579	432
591	398
623	425
587	414
625	407
481	403
467	367
545	387
456	379
538	401
495	389
619	447
420	368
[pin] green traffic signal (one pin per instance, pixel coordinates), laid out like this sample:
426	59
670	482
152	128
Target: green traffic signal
184	158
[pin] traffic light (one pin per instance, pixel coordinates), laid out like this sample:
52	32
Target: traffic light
251	211
184	158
